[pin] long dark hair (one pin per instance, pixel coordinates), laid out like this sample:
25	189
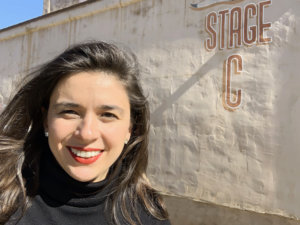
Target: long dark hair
22	133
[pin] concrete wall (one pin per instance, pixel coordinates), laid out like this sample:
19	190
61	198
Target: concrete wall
54	5
224	102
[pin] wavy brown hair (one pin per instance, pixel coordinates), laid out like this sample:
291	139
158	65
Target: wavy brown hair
22	134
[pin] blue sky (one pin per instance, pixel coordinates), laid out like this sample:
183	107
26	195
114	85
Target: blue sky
17	11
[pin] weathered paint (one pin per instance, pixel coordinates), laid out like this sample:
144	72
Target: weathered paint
54	5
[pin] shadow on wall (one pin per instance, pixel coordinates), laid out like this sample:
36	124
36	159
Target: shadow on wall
156	116
184	211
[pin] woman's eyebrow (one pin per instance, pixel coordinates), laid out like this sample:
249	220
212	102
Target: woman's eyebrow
111	107
101	107
66	104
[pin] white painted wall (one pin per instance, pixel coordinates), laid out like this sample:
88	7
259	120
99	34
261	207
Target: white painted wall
247	158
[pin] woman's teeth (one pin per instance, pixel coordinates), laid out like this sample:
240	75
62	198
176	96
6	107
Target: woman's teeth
85	154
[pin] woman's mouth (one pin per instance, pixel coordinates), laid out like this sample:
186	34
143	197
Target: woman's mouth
85	155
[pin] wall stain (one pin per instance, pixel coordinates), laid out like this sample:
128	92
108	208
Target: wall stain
142	10
29	46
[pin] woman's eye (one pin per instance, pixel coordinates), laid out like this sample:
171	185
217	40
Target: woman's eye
69	113
109	115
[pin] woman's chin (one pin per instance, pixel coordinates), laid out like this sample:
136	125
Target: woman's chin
83	175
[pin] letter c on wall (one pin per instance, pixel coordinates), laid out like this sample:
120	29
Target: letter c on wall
231	98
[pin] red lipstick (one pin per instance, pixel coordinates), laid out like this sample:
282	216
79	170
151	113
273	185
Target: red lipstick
85	160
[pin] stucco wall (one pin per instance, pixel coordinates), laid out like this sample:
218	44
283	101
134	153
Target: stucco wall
202	146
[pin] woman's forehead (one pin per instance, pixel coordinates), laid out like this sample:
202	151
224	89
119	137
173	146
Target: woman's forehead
88	86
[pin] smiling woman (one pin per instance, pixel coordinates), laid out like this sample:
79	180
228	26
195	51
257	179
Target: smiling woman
73	143
88	122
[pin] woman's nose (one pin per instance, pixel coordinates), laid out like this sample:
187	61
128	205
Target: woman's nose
88	129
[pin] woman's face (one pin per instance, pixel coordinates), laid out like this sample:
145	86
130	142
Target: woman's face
88	121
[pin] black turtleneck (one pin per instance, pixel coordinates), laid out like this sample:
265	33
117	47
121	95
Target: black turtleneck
62	200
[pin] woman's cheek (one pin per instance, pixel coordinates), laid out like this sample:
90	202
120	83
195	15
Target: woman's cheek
116	134
61	129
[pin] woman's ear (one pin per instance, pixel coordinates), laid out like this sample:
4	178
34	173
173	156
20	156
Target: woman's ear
128	135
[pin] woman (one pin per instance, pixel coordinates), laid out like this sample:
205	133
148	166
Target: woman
73	143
